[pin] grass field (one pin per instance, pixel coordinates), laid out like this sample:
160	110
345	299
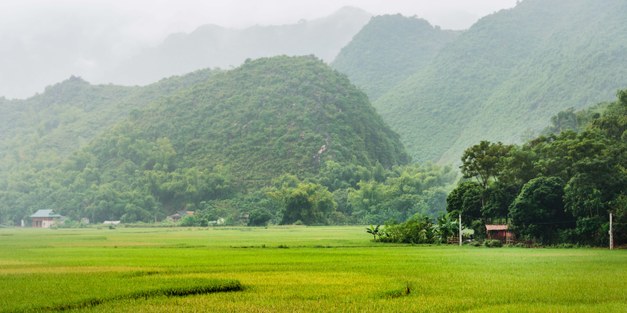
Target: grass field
294	269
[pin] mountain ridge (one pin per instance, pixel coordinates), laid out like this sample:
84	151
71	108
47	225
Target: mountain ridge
212	46
389	49
508	74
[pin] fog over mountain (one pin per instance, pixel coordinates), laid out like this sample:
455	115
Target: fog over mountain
44	42
211	46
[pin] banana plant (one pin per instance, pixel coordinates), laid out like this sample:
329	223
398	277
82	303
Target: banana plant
374	231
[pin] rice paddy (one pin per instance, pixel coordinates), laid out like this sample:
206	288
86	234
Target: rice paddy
294	269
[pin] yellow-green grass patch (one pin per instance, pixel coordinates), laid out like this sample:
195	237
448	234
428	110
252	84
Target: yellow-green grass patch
300	269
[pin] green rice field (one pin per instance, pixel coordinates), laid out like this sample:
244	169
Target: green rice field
293	269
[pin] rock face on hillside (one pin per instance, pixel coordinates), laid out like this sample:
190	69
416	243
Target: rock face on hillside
508	74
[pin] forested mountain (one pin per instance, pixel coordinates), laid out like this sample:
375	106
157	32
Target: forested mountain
389	49
572	120
50	126
265	118
508	74
211	46
214	142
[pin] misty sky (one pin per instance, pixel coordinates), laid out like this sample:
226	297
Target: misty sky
85	35
153	19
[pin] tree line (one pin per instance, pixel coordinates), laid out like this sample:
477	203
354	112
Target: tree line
557	188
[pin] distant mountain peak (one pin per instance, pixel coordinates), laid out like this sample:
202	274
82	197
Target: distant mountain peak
508	74
213	46
73	82
352	10
389	49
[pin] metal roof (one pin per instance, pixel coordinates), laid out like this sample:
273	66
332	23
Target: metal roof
45	213
495	227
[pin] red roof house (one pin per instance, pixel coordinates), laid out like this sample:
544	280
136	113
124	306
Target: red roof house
499	232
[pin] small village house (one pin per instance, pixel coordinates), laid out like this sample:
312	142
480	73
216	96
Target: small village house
44	218
180	214
499	232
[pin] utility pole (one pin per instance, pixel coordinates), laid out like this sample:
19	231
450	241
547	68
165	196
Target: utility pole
611	236
460	229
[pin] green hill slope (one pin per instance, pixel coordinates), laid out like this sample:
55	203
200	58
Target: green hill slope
209	141
268	117
509	74
51	126
389	49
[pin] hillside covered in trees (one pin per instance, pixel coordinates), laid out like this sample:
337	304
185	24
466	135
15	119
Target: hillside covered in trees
68	115
269	116
389	49
285	139
508	74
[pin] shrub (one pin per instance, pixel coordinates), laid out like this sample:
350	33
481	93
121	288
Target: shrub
193	220
475	243
417	230
259	217
493	243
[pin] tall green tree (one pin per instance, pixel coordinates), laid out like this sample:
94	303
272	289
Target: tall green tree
466	199
538	211
484	162
308	203
407	191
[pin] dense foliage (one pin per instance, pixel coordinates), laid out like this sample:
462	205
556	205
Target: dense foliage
39	134
401	194
48	127
508	74
576	121
557	188
223	147
389	49
269	117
